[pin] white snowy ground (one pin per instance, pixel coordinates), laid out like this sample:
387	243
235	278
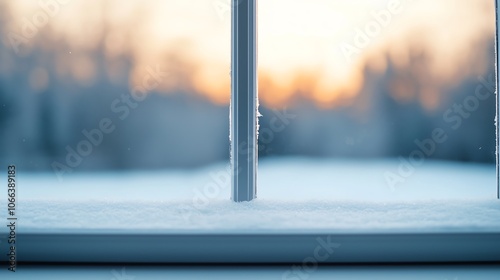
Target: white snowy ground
293	194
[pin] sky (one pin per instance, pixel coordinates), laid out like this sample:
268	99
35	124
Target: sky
316	49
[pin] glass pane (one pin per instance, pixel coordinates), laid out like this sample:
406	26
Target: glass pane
130	96
377	100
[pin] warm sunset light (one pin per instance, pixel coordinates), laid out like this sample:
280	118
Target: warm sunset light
349	98
316	50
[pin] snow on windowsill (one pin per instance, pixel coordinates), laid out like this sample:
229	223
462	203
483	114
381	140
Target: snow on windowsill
294	195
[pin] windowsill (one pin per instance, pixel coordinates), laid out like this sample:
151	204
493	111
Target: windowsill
259	217
155	213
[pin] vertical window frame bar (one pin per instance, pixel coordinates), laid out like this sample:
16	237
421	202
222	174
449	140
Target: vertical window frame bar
243	127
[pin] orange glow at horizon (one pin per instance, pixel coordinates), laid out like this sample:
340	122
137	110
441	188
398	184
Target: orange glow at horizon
305	46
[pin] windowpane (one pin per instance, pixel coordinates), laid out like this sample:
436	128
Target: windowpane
361	100
107	86
394	95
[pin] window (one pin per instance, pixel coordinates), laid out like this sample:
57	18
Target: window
114	118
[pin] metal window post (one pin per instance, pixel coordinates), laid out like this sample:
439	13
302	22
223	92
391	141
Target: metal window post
243	99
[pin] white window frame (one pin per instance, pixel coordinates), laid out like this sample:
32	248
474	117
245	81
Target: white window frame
143	247
243	127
